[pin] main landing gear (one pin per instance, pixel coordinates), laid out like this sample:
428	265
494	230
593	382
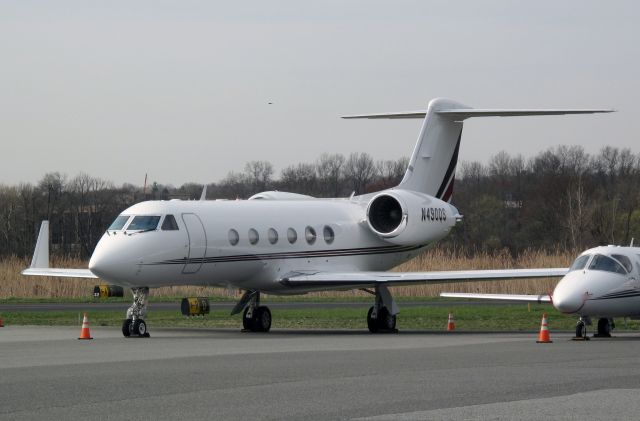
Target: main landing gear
381	317
255	318
134	324
605	327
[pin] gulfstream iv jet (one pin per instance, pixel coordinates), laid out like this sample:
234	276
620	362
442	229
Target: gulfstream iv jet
285	243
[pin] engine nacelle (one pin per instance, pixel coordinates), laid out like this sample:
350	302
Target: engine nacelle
405	217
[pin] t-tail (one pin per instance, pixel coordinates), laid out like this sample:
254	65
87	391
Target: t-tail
434	159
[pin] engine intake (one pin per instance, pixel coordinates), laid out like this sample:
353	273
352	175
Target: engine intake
386	216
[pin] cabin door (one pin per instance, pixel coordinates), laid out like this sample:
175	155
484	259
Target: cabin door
197	243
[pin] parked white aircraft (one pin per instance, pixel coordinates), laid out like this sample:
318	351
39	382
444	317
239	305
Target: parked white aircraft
603	283
285	243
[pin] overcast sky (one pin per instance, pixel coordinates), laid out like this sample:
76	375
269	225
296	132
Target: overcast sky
181	90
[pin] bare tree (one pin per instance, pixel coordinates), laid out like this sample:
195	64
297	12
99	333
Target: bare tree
330	173
259	174
359	171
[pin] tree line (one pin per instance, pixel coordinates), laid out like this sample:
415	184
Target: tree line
562	198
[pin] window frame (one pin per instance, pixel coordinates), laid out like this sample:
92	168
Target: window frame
292	235
236	238
310	235
254	236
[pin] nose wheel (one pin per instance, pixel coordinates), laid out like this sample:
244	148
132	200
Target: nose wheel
134	325
581	330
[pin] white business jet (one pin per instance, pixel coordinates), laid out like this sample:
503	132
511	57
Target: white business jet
285	243
603	282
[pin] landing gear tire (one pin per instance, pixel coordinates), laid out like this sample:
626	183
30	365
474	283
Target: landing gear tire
247	323
260	320
372	324
139	328
385	322
126	327
581	330
604	328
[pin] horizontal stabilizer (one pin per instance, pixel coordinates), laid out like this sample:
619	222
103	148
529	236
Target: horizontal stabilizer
460	114
60	273
544	298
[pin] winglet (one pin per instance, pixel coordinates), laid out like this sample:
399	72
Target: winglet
40	258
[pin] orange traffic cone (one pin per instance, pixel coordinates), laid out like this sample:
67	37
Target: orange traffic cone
84	332
451	325
544	338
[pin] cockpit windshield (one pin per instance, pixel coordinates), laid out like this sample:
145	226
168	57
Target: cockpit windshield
118	224
580	262
143	223
607	264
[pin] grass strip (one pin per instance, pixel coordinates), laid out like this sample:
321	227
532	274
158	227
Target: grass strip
467	318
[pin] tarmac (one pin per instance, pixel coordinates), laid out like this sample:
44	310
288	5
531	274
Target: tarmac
47	373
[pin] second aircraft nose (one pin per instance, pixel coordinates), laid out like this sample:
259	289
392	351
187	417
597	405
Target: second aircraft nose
568	297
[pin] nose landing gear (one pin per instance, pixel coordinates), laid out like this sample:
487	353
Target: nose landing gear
581	329
134	324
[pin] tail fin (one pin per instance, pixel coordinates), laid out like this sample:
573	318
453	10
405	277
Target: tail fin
40	258
433	163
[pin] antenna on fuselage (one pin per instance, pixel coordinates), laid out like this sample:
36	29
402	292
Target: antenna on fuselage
203	196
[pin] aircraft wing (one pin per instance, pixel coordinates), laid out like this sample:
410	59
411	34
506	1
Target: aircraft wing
347	280
543	298
40	262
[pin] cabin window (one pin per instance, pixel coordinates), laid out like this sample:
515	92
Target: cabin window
292	235
310	235
234	237
607	264
253	236
169	223
144	223
580	262
328	233
118	224
626	262
272	235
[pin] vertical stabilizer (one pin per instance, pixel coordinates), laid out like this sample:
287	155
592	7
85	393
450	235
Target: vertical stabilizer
40	258
433	162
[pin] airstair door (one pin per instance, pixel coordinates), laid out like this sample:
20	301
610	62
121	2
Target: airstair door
197	243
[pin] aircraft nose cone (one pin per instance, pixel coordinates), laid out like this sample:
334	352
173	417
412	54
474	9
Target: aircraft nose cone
98	265
109	263
568	297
